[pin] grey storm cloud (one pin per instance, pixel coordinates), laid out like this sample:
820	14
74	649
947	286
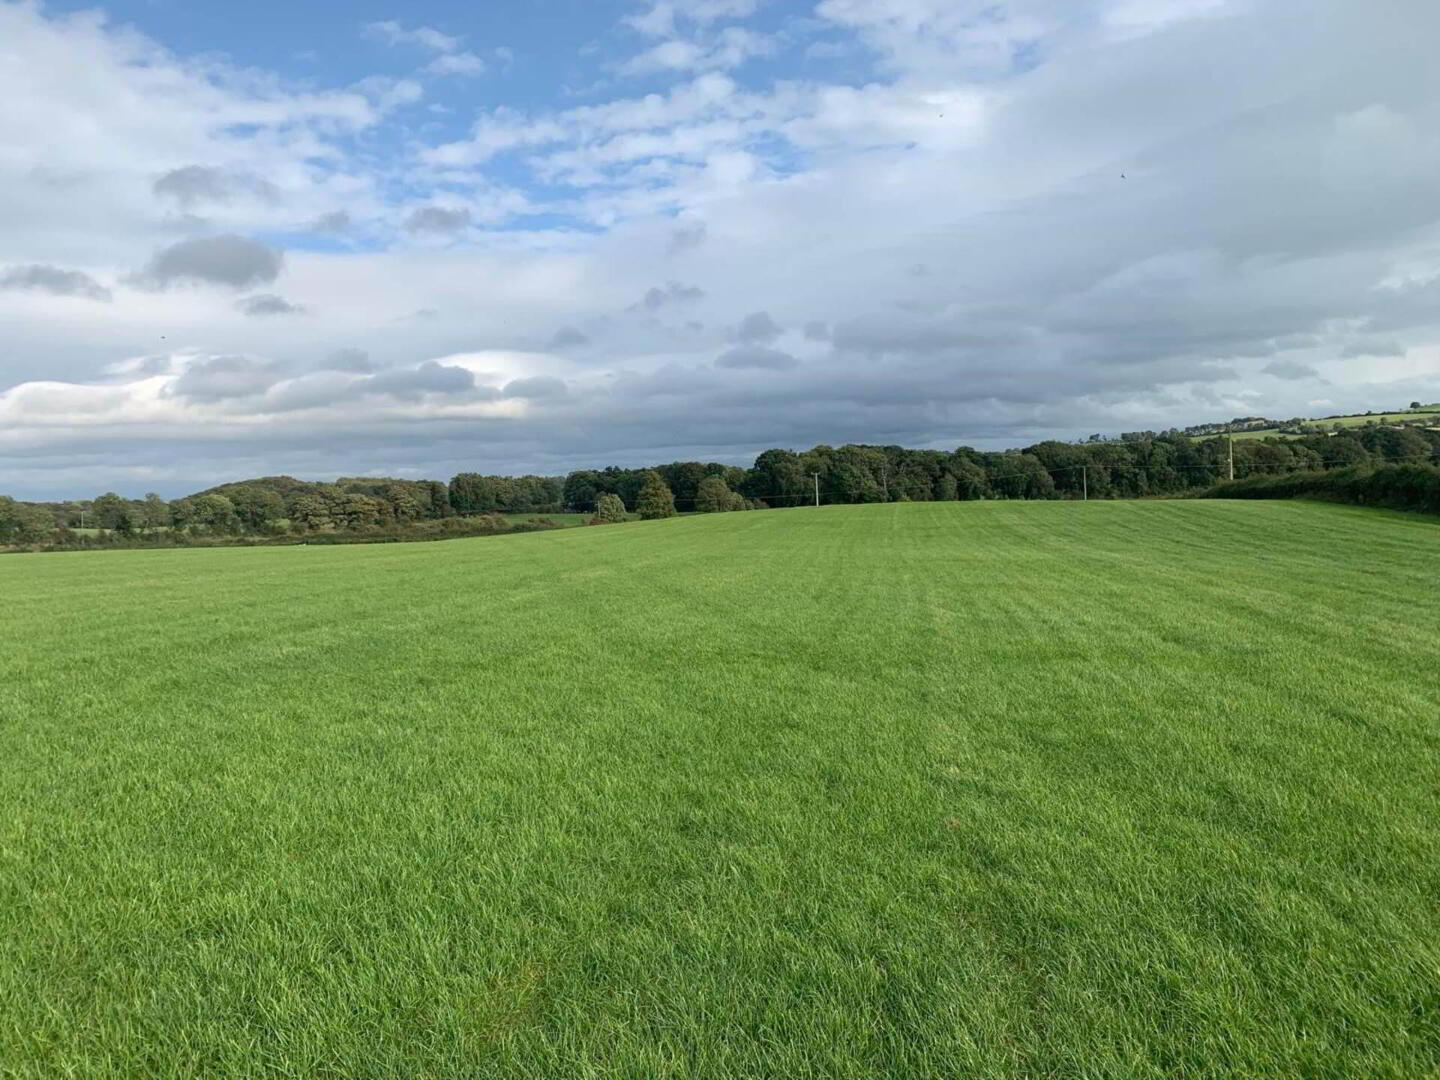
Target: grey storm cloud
758	329
672	292
357	360
263	304
193	185
438	219
898	332
567	337
223	378
53	280
1289	369
816	330
756	356
430	377
336	383
536	388
1357	349
312	391
229	260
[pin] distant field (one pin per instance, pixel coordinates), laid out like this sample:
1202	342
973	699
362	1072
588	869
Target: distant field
1022	790
1431	418
559	519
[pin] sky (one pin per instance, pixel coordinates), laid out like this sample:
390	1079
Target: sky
413	240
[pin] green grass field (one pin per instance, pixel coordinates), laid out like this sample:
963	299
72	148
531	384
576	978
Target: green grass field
1106	789
1431	418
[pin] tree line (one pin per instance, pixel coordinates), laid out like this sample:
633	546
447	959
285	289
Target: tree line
1396	487
1137	465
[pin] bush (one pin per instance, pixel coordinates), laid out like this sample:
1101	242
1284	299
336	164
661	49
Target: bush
1398	487
608	509
389	533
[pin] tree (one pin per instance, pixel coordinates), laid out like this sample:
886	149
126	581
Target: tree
109	510
655	499
471	493
777	475
439	500
685	478
609	509
156	512
21	523
580	490
182	513
712	496
216	513
403	504
255	506
353	511
310	512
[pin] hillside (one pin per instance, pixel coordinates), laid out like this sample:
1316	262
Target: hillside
988	789
1418	416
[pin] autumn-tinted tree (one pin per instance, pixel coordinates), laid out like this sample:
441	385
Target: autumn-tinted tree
352	511
310	512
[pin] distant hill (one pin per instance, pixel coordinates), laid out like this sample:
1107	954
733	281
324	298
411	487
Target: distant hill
1258	427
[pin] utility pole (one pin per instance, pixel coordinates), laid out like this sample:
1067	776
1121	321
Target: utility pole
1232	454
1084	483
817	488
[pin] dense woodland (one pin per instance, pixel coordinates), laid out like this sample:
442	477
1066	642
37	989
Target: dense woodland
1138	464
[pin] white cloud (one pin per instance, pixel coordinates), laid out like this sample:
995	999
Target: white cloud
425	37
1128	214
661	18
729	48
458	63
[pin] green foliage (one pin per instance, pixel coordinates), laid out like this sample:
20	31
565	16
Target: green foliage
713	496
311	512
255	506
472	493
609	509
155	512
1397	487
216	513
998	790
110	511
21	523
1141	464
655	500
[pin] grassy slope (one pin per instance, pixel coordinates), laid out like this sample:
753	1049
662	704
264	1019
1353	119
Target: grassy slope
1357	421
1013	790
